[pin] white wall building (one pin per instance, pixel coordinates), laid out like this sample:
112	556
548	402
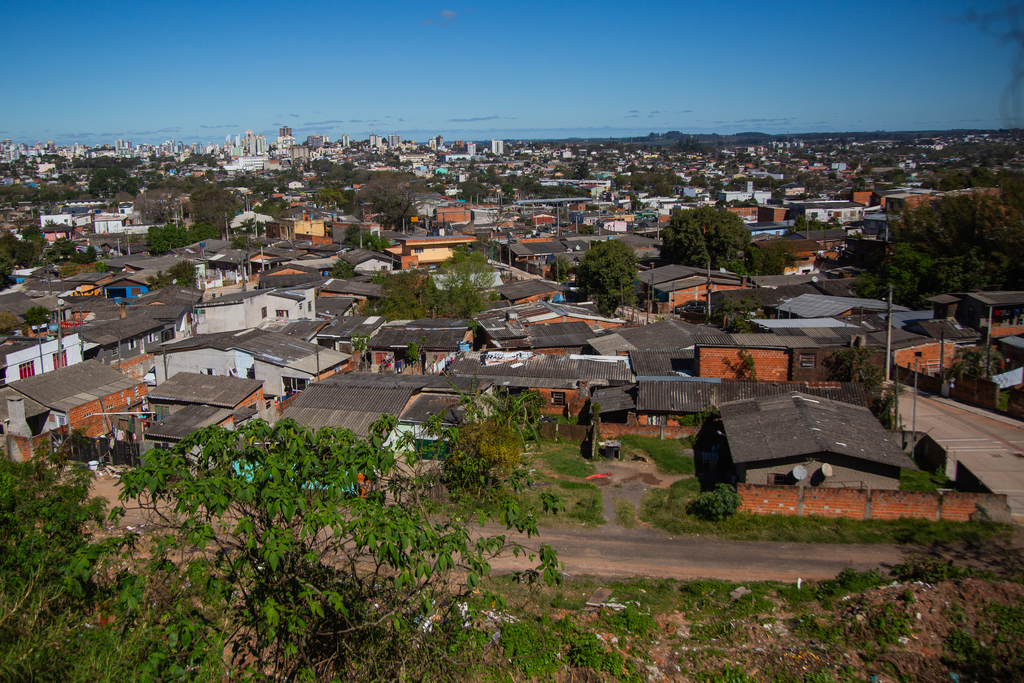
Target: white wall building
497	147
38	358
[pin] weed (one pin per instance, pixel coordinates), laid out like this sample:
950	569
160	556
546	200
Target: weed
625	513
668	454
631	621
727	675
564	458
532	648
934	570
847	582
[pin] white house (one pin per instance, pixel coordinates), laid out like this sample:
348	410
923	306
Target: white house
32	357
249	309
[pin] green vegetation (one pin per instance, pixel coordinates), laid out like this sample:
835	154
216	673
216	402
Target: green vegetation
564	457
670	455
669	509
607	274
625	513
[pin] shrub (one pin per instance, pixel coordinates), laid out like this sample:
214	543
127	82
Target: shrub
716	505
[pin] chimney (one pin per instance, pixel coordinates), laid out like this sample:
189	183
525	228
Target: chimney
16	424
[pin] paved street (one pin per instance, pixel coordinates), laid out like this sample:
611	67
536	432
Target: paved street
990	445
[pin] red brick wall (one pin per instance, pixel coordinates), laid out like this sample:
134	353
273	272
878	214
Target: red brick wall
89	415
1016	405
771	213
614	430
897	504
744	211
136	368
999	331
976	391
928	361
768	500
825	502
862	504
770	364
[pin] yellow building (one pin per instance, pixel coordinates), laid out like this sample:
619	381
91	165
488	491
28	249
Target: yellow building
417	252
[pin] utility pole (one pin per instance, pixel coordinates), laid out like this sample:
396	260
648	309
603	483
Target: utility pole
988	346
913	423
888	336
942	355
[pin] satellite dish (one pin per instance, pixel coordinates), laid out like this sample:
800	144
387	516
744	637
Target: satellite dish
799	472
814	278
826	469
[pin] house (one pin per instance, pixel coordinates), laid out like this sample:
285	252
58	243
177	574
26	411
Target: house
822	306
189	389
31	357
666	288
564	382
367	261
284	364
418	252
339	333
83	396
245	310
20	415
1004	310
355	288
802	440
168	431
559	338
825	211
304	226
523	291
124	340
438	341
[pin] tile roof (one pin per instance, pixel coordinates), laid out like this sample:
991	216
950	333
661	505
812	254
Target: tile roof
614	399
573	368
32	408
798	424
610	344
351	407
400	337
559	335
214	390
661	363
527	288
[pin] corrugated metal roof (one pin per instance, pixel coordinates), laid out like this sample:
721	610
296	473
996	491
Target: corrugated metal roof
661	363
610	344
67	388
542	366
557	335
182	423
822	306
354	408
798	424
425	406
614	399
696	396
214	390
400	337
802	323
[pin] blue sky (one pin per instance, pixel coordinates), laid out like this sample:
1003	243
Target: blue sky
197	71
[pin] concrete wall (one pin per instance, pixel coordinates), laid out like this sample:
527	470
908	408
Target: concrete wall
867	504
846	472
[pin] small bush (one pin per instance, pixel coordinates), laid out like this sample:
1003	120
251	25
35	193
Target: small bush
716	505
932	570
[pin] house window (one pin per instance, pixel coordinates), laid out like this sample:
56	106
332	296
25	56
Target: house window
558	398
61	420
281	313
294	384
132	343
60	360
777	479
263	312
209	371
417	250
27	369
309	306
807	360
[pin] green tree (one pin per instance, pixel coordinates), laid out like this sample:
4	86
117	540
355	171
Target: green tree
213	205
106	182
182	274
771	258
458	291
9	322
911	273
392	197
320	550
561	269
405	295
37	315
695	236
343	270
607	273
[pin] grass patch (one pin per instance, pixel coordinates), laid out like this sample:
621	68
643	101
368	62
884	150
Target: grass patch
625	513
563	457
923	480
669	454
581	503
666	509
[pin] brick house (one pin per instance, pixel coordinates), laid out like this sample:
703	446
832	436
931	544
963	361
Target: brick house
668	287
83	396
975	309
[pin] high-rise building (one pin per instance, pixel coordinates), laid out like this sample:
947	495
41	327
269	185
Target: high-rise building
394	140
471	148
315	141
376	141
497	147
284	132
261	145
432	143
440	141
344	141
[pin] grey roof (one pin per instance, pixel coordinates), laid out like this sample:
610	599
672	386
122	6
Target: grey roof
610	344
821	306
269	347
690	396
780	280
1016	342
32	408
666	334
346	328
527	288
559	335
800	323
110	331
70	387
755	341
998	298
214	390
904	318
182	423
425	406
449	383
272	281
354	287
545	367
663	363
351	407
614	399
18	303
400	337
306	330
663	274
798	424
950	330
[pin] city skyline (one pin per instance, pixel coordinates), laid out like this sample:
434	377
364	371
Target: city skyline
545	71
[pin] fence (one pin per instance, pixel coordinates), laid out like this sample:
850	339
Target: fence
553	430
802	501
975	391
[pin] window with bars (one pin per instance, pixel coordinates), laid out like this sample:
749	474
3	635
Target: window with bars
807	360
60	360
27	369
281	313
558	398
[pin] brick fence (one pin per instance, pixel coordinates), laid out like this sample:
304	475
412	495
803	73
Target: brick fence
802	501
976	391
614	430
